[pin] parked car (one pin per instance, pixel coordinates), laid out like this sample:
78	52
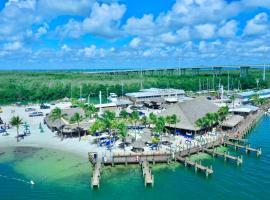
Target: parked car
36	114
30	109
44	106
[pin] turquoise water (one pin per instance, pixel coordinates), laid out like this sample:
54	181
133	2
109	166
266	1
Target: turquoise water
63	176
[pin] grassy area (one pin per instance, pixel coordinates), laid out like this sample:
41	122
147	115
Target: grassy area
47	86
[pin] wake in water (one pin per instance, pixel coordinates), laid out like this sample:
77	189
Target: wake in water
31	182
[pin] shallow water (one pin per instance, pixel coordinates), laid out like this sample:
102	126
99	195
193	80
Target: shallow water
60	175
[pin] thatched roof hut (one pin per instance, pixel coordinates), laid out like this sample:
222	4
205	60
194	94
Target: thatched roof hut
189	112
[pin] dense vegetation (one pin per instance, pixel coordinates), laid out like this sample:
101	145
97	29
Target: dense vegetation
48	86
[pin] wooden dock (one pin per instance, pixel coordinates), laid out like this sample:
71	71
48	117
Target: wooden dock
137	158
197	166
247	147
96	174
237	159
235	140
148	177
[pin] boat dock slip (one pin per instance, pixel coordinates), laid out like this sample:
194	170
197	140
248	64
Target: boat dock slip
96	174
226	156
197	166
247	148
148	177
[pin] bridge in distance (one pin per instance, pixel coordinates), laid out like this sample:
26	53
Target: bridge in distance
244	69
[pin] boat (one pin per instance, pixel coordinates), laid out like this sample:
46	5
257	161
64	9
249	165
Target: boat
113	97
268	112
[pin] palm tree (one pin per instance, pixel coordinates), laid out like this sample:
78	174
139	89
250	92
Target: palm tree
123	114
203	123
223	112
122	131
108	120
255	99
16	121
144	120
89	110
57	114
97	126
134	118
153	118
77	118
212	118
172	119
160	126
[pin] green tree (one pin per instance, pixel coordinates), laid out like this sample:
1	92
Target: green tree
255	99
77	118
17	122
109	120
223	112
172	120
144	120
57	114
160	126
152	118
134	118
90	110
122	131
123	114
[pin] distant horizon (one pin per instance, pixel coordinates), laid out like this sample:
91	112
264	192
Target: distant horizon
123	34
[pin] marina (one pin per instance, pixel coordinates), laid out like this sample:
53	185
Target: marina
144	159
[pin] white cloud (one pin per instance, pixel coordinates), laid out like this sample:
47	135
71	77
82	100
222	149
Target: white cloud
135	43
65	48
104	20
51	8
92	52
205	31
229	29
144	26
13	46
258	25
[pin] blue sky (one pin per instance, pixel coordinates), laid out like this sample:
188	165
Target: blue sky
88	34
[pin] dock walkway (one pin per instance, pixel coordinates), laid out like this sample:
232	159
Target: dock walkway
148	177
247	147
96	174
226	156
197	166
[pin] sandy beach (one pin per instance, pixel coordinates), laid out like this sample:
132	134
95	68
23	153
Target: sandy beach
47	139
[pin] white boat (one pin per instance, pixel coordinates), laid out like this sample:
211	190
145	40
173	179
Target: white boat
113	97
268	112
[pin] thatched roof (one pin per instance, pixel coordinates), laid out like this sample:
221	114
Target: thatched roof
232	121
189	112
65	122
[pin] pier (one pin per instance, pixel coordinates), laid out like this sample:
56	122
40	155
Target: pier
197	166
247	148
226	156
96	174
144	159
148	177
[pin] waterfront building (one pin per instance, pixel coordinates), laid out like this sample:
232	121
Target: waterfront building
155	94
65	124
244	110
245	97
189	112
